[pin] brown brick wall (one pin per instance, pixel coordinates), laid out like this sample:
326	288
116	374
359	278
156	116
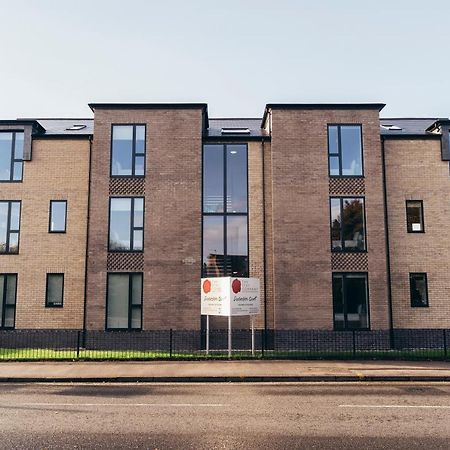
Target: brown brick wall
415	171
172	237
301	218
59	170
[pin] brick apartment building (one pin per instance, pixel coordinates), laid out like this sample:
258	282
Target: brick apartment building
109	223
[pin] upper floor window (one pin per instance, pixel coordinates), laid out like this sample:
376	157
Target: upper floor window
347	224
8	290
418	287
11	156
128	151
345	150
126	224
58	216
9	226
414	216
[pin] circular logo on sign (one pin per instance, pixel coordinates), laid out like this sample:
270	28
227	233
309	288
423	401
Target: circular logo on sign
206	286
236	286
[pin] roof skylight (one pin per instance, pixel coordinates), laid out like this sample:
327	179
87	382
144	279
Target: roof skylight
76	127
390	127
235	131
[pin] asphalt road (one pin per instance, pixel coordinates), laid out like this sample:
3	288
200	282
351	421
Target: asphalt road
225	416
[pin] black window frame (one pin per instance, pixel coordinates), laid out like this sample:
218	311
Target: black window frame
3	300
9	230
422	214
339	154
225	214
130	301
344	250
13	159
425	277
344	276
134	154
47	303
132	227
50	217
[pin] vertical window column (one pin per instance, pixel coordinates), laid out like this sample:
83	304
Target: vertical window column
225	210
9	226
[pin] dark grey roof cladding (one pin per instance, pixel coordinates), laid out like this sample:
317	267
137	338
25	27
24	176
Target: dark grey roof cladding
409	126
58	127
254	125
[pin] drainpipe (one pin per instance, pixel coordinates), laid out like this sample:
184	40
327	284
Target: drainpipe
388	257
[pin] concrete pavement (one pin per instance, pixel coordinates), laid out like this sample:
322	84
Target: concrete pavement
224	371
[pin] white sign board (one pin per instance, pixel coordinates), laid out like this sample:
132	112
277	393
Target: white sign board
228	296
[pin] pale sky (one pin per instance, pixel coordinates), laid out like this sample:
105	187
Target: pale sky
236	55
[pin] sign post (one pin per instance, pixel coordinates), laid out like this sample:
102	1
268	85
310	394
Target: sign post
227	296
207	334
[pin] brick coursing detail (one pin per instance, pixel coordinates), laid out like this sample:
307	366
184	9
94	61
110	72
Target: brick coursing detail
349	262
125	262
347	186
127	186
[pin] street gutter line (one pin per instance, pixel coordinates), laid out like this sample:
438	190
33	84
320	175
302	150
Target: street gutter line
188	405
397	406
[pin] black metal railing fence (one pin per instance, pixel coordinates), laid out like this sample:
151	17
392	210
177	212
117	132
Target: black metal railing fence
410	344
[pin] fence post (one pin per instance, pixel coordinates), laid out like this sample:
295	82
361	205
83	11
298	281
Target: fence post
445	344
171	343
78	343
354	343
263	337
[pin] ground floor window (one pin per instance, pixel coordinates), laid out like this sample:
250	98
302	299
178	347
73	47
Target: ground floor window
350	301
418	287
124	301
8	290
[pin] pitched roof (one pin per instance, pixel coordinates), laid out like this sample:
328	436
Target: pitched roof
406	126
66	127
252	124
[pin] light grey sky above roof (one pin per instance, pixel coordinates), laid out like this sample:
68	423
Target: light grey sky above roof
58	56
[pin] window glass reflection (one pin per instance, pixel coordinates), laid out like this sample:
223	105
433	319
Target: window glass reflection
236	178
57	216
351	150
237	246
213	246
213	172
120	224
122	150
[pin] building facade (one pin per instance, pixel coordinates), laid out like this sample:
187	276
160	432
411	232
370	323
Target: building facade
109	223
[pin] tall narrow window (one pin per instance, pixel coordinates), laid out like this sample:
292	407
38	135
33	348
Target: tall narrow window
345	150
124	301
418	287
350	301
347	224
414	216
58	216
9	226
128	151
225	206
126	224
54	293
8	290
11	156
